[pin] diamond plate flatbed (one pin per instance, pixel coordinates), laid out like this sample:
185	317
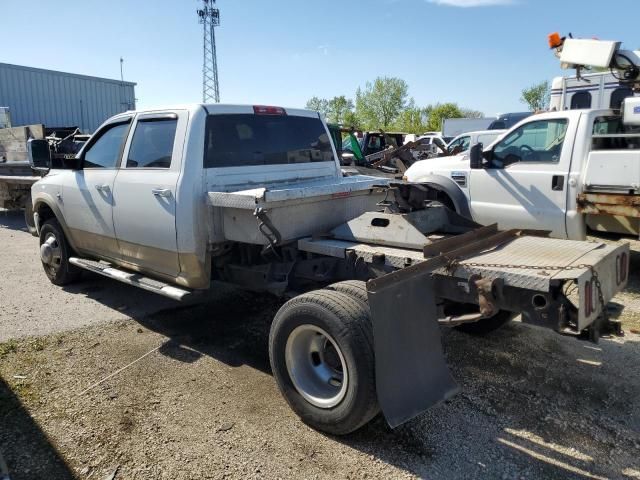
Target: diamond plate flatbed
530	251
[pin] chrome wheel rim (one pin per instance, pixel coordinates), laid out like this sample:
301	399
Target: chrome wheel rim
51	253
316	366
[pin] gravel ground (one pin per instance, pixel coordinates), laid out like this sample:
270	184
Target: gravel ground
202	402
31	305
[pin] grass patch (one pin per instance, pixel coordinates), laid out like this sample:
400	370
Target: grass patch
25	391
8	347
38	344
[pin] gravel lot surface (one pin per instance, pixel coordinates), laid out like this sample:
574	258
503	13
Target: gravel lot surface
31	305
202	402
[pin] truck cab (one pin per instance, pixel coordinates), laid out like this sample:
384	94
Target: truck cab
136	193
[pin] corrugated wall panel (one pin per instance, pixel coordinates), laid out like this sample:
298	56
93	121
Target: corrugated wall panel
61	99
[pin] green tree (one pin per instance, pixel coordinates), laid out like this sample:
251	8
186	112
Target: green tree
380	103
338	107
537	96
411	120
438	112
351	120
319	105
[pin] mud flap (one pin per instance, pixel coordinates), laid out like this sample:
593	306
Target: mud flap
411	370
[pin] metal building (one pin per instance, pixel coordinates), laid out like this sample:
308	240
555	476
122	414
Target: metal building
59	99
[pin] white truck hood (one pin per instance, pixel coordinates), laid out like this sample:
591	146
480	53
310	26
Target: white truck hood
438	166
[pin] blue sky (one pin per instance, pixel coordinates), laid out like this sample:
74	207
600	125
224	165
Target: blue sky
478	53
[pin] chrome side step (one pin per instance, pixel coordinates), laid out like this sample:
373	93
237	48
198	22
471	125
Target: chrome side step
132	278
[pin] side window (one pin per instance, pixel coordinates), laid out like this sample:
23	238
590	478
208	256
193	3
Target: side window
609	133
580	100
618	95
106	150
152	143
539	141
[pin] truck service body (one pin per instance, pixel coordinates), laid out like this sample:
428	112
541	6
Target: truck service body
171	199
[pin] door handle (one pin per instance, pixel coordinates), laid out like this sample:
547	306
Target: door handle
557	183
102	188
161	192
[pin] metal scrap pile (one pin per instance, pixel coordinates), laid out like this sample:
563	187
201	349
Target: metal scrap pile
397	160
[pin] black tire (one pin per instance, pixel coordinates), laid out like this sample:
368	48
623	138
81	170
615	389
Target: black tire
354	288
28	217
487	325
59	272
345	320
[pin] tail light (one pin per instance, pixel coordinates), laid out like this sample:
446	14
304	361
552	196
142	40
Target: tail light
267	110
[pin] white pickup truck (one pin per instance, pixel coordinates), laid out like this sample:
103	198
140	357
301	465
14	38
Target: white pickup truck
565	172
170	199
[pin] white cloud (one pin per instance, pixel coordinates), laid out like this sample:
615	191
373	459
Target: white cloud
471	3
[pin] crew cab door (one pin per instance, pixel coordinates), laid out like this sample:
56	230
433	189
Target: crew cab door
524	182
87	195
144	214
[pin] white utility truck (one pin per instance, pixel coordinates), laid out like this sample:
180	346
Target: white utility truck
566	171
169	200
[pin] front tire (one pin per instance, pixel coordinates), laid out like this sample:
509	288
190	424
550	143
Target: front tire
322	357
54	254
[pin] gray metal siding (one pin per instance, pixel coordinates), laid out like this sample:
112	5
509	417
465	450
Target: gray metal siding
59	99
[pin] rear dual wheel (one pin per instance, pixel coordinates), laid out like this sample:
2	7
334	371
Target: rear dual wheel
322	357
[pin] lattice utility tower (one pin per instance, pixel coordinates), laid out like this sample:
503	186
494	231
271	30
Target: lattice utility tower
209	17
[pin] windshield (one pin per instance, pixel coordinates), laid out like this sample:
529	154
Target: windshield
236	140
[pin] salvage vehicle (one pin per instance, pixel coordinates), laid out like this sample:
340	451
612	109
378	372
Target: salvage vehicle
376	141
569	172
169	200
16	175
462	143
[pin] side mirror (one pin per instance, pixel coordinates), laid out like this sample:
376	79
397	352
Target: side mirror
475	156
39	155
